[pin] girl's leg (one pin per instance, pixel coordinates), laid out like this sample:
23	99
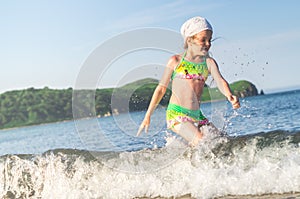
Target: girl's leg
189	132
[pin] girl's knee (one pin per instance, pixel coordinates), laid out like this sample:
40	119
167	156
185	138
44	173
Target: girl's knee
195	141
189	132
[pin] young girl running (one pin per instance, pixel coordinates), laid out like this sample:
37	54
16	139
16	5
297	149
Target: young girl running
188	73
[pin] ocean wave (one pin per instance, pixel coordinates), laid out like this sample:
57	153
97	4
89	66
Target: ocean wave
266	163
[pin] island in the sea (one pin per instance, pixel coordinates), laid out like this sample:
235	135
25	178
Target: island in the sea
35	106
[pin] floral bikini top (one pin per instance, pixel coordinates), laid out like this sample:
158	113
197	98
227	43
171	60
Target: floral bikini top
190	70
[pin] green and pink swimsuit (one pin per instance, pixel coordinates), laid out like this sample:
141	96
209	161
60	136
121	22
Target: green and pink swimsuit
177	114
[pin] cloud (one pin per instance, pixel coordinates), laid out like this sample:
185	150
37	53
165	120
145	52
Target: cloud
159	14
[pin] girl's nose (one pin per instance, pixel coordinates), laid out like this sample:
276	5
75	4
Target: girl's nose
207	43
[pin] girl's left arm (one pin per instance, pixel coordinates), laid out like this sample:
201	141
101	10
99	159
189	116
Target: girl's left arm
222	83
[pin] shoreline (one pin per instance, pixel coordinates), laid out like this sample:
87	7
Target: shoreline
97	117
288	195
104	116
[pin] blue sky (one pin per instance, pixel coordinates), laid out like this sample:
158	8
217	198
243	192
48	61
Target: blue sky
45	43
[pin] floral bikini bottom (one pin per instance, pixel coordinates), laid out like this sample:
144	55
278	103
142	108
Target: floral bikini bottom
177	114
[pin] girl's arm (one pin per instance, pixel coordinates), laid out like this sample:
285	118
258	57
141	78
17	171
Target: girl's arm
222	83
159	93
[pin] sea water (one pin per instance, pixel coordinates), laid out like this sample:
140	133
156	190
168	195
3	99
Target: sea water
257	154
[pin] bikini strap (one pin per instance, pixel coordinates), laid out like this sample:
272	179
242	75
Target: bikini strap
182	58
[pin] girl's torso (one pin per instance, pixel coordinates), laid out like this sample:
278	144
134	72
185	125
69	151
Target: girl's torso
188	83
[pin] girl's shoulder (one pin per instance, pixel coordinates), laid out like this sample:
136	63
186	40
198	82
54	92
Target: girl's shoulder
211	63
174	60
210	59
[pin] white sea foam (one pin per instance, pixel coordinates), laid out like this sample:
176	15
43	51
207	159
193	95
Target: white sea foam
217	167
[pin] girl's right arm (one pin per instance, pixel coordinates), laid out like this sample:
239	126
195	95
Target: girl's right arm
159	93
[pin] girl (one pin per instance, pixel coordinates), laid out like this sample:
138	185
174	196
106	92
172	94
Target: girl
188	72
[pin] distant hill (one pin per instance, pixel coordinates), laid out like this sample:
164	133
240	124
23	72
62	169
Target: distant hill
241	89
34	106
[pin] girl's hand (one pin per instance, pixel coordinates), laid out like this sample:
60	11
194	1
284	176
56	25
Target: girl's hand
145	124
234	100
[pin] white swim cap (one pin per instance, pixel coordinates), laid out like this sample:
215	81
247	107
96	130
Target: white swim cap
194	26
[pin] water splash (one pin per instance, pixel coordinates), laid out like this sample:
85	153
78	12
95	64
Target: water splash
266	163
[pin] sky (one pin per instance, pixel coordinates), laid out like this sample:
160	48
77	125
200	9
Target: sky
47	42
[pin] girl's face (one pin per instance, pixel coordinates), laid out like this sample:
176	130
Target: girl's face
201	42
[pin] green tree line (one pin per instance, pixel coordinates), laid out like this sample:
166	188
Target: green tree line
34	106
